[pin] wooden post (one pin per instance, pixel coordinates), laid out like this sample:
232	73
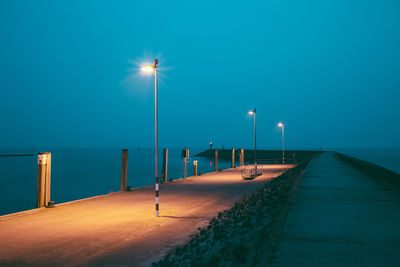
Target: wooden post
241	157
124	170
216	160
233	158
164	177
185	156
43	184
48	181
194	167
41	176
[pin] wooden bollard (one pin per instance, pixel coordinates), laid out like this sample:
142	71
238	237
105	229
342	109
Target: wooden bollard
43	180
233	158
165	166
47	201
185	156
194	167
241	157
124	170
216	160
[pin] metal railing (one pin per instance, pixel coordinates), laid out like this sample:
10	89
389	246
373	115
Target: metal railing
251	172
276	161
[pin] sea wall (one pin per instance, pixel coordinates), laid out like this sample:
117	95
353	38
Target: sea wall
378	173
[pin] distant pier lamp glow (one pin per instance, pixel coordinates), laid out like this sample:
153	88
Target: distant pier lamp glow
283	141
251	112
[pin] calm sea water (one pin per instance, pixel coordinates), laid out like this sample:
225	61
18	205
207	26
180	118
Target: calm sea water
82	173
387	158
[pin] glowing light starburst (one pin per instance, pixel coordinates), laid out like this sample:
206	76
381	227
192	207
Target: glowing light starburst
140	74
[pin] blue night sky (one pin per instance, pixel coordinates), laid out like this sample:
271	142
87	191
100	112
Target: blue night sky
329	69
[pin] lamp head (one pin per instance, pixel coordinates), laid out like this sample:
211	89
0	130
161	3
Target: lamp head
147	68
280	124
251	112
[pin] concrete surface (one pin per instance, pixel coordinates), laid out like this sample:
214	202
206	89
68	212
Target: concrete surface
121	229
341	217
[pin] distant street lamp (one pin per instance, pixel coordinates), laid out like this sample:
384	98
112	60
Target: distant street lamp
283	141
253	112
149	69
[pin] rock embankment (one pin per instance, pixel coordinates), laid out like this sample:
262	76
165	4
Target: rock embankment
247	234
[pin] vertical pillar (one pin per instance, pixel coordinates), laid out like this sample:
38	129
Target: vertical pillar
241	157
43	180
165	166
41	176
233	158
216	160
185	156
48	180
164	177
124	169
194	167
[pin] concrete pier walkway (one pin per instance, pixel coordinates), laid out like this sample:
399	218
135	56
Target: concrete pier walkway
121	229
341	217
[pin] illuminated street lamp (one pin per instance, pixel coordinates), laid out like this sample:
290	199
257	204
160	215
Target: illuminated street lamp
253	112
283	141
150	69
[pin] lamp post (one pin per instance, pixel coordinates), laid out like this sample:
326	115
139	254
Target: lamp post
253	112
149	69
282	125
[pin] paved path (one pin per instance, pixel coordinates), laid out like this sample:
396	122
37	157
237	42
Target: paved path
341	217
121	229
